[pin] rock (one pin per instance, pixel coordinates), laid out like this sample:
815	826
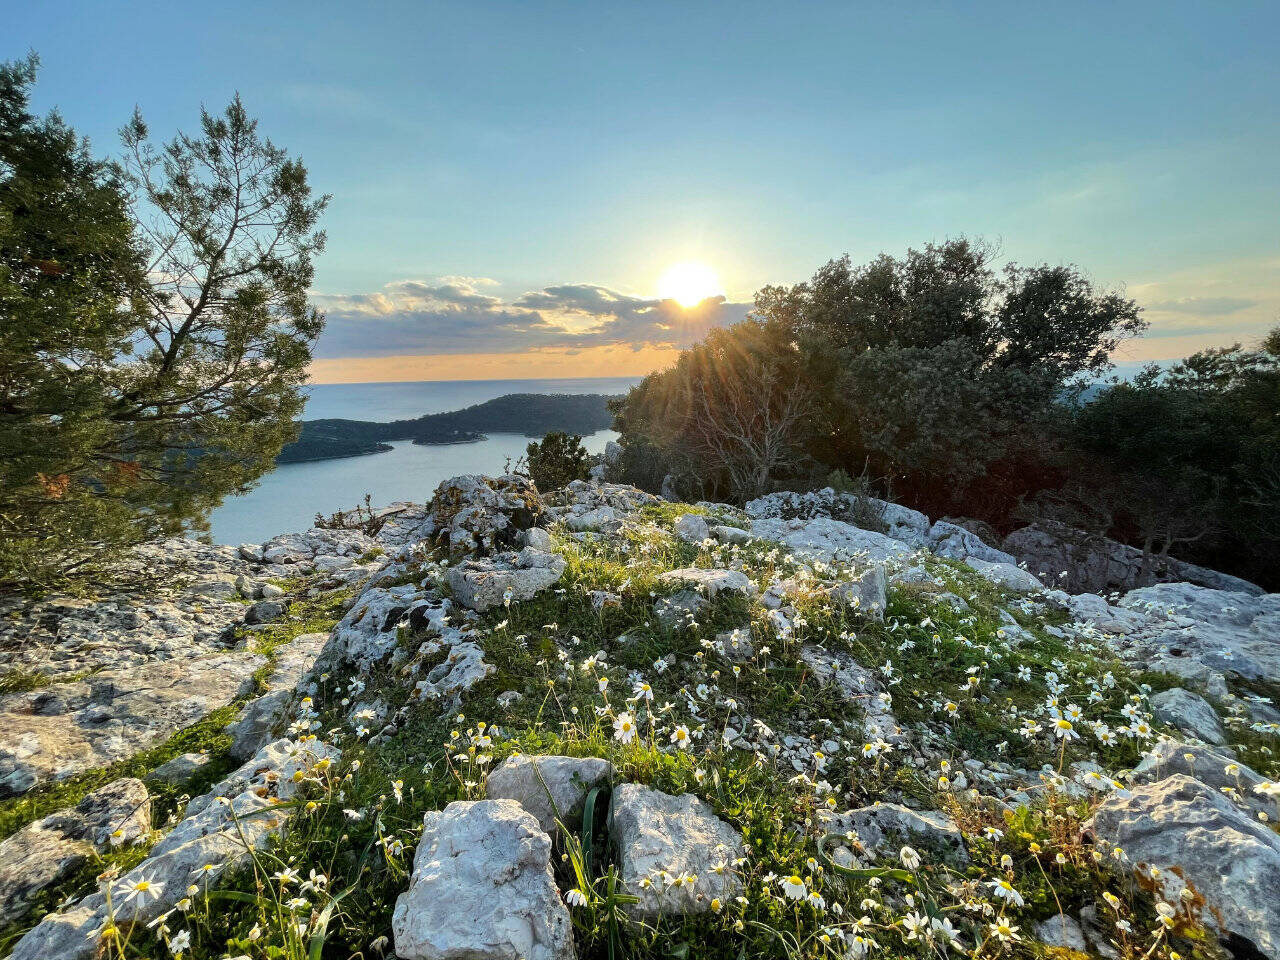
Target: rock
461	669
48	850
484	584
677	610
223	586
952	540
1233	633
1095	564
265	611
550	788
597	519
112	715
726	534
269	591
1198	838
711	582
691	528
1005	575
736	644
1169	758
368	631
830	540
537	538
859	686
655	833
867	594
209	836
180	769
258	720
668	490
1093	609
612	453
482	514
892	519
1188	712
1063	932
482	889
884	827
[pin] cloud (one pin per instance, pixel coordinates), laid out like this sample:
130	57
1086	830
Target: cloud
455	315
1203	306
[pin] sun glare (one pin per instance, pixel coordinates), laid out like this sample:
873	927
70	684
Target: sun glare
689	283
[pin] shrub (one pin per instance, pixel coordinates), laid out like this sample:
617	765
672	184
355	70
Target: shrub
557	460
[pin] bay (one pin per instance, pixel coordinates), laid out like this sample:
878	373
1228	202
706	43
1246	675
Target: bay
288	498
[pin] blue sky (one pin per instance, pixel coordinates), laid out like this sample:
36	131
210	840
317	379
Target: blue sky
510	180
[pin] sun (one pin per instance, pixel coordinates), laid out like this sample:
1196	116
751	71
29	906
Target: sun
689	283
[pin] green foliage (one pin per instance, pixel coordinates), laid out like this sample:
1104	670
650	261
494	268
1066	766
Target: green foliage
557	460
154	329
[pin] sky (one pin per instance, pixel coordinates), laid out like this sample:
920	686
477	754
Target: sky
511	181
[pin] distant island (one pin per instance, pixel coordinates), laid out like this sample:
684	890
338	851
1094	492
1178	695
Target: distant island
530	414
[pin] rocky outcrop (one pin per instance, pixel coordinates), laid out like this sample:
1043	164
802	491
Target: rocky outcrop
1188	712
660	836
220	828
1232	633
51	849
289	677
59	731
1199	840
881	829
1094	564
959	543
859	687
550	788
482	889
711	582
822	538
1006	575
484	584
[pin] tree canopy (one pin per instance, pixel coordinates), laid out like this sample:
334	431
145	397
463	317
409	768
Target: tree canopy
156	328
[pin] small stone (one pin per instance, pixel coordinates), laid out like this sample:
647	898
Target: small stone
655	831
711	582
550	788
180	769
264	611
1063	932
269	591
691	528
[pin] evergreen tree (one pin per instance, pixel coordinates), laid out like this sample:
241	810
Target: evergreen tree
154	329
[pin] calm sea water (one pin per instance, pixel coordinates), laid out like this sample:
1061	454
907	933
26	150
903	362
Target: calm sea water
289	498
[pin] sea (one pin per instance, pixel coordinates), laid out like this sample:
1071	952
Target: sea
288	498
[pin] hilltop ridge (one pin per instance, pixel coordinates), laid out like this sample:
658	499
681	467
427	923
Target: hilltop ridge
817	726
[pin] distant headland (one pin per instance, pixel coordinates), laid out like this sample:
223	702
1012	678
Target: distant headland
530	414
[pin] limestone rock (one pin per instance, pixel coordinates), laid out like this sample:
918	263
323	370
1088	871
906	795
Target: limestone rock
711	582
58	732
692	528
1188	712
1211	767
367	632
488	583
677	610
1232	633
952	540
655	833
220	829
735	535
859	686
293	663
598	519
1199	838
1006	575
822	538
483	514
1095	564
180	769
550	788
867	594
883	828
1063	932
482	889
46	851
